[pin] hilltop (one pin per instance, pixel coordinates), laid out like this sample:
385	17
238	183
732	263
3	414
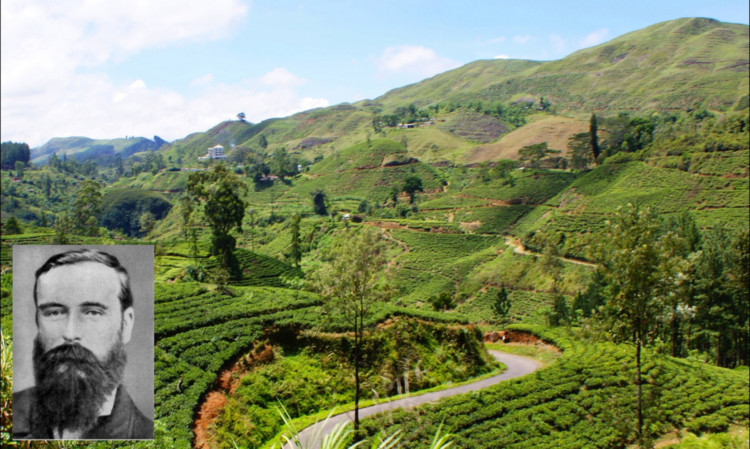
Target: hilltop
99	150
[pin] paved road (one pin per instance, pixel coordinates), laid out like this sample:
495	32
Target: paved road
517	366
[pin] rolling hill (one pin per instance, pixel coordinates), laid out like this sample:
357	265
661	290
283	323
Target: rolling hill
680	65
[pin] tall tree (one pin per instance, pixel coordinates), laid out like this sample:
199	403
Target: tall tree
501	306
640	265
296	251
593	130
19	169
12	226
320	202
63	227
350	283
86	208
579	149
412	185
721	292
220	191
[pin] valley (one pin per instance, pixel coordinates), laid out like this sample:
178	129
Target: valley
598	205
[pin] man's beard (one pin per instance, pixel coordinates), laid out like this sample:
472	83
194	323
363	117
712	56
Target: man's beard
72	384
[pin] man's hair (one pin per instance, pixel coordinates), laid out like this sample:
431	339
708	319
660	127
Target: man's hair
89	255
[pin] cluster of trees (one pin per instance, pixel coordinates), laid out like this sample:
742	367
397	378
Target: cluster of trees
220	192
402	114
258	165
693	285
71	166
12	152
133	211
513	114
666	283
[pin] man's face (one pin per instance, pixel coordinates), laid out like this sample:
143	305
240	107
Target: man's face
79	304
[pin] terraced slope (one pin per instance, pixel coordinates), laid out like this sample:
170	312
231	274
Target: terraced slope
585	399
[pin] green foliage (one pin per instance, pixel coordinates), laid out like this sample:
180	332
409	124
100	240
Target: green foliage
501	306
581	400
412	185
11	226
350	283
85	208
123	209
221	192
14	152
443	301
320	202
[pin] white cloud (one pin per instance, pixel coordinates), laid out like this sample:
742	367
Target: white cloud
522	40
51	55
95	107
502	57
414	60
281	77
595	38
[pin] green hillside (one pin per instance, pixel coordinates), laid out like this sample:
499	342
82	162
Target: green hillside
98	150
494	191
680	64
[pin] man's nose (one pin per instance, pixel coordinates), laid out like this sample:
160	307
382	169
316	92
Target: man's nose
72	329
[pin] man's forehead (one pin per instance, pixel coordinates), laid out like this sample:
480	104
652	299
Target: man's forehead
78	281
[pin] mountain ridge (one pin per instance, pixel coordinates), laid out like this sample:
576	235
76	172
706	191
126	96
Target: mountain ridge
679	65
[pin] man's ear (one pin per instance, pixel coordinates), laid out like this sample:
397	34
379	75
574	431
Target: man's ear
128	316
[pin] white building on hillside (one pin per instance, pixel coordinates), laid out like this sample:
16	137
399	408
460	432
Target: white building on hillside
215	152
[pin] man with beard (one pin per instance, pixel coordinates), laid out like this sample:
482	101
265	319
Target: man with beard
84	317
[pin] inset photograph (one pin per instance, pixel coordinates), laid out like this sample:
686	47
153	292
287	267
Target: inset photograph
83	342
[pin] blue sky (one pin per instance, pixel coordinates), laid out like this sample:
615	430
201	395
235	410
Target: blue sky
107	69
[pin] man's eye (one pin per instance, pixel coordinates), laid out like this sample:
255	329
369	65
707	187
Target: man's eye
52	313
93	312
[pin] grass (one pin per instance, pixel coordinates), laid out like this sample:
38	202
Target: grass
543	353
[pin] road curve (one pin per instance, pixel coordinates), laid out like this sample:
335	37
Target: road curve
517	366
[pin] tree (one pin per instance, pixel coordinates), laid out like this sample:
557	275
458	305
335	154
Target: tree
412	185
262	141
241	116
146	222
560	313
639	263
221	192
501	306
12	152
46	186
593	129
86	208
349	282
443	301
535	153
394	195
12	226
720	287
579	148
63	227
320	202
19	169
296	251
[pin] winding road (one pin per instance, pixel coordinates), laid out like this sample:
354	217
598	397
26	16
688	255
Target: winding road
517	366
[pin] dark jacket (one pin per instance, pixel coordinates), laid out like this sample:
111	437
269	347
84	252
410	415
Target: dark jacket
125	422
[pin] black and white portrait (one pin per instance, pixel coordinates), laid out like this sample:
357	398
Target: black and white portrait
83	342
